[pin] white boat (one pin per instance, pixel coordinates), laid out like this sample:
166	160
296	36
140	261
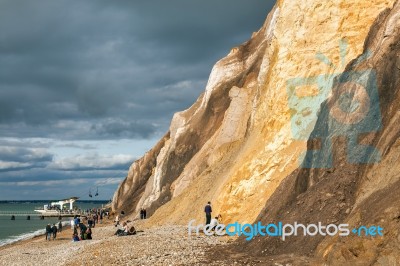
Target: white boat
56	208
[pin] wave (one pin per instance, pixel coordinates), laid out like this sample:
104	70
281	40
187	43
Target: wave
26	236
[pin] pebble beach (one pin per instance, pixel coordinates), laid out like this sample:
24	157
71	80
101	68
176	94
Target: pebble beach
165	245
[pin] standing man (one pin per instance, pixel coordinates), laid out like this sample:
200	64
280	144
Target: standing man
54	231
48	232
59	226
208	211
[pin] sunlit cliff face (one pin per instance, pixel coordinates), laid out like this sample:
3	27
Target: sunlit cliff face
234	146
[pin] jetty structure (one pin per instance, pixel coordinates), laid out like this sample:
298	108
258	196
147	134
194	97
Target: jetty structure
53	209
56	208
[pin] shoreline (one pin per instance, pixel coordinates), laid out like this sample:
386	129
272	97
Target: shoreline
32	235
160	245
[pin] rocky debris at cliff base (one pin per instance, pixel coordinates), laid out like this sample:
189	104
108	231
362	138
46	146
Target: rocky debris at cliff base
171	245
167	245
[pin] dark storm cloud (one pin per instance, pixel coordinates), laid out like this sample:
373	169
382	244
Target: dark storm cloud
61	177
99	71
44	174
15	158
111	69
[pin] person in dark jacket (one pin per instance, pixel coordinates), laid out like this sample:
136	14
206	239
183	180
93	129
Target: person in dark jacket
59	226
208	211
48	232
83	231
54	231
90	222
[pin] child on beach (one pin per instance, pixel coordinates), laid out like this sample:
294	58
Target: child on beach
75	238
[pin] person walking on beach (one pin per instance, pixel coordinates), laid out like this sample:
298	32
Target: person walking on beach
48	232
59	226
54	231
144	213
141	214
90	223
208	211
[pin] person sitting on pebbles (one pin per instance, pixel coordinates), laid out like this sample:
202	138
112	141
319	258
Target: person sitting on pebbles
125	230
215	221
120	230
75	238
89	234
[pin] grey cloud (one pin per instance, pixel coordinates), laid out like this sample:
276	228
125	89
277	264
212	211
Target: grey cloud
19	158
102	70
43	174
18	154
85	61
122	129
76	146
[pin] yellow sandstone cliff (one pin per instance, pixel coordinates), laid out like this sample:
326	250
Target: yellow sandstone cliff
235	145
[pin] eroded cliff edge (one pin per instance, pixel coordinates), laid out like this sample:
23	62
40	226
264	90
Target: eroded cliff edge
235	145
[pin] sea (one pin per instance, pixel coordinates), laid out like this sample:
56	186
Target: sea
20	229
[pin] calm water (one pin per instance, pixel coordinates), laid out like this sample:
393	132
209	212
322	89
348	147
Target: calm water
21	228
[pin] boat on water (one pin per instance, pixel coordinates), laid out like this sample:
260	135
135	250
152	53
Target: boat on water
56	208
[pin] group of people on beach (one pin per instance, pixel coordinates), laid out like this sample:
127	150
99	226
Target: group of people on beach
84	226
143	213
85	230
51	231
88	222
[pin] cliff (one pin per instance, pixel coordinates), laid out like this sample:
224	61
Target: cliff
268	140
361	186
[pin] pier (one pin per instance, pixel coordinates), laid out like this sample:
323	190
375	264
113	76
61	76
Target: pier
28	215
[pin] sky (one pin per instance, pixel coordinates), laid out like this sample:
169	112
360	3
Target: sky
87	87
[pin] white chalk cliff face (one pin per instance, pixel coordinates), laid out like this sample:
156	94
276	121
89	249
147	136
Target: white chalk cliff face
236	144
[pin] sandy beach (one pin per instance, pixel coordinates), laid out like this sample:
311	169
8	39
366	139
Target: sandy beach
166	245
